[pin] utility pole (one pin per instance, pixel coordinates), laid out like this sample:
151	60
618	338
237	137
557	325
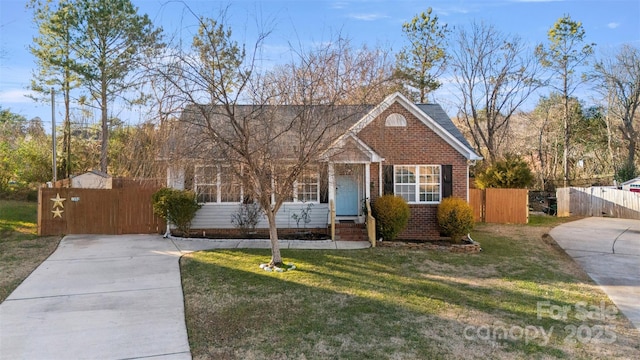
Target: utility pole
53	135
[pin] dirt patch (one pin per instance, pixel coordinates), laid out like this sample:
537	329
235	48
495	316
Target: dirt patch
444	246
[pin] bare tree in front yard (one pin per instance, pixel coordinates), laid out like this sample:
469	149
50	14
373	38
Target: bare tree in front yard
288	122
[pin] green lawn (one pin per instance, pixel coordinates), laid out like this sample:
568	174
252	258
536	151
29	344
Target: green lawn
389	303
21	250
18	220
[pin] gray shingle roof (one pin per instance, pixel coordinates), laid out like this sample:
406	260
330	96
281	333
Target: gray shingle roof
436	112
345	116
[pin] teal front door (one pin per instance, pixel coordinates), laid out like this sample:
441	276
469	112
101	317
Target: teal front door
346	195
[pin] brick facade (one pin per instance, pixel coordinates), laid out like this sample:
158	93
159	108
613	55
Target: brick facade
415	144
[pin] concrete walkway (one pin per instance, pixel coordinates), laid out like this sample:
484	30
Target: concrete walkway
609	251
110	297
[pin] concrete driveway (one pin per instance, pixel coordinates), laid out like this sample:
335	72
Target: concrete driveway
111	297
99	297
609	251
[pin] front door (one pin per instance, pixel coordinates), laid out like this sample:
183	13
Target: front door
346	195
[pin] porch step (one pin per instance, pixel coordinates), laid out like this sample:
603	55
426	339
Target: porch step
351	232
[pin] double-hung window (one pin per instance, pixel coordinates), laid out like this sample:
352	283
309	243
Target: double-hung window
418	183
308	186
217	184
206	184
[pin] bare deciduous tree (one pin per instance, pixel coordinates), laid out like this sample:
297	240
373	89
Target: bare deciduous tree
295	111
619	83
494	74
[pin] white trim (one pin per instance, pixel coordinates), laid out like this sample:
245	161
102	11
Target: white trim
380	180
420	115
217	183
340	141
417	183
295	189
467	189
367	181
395	120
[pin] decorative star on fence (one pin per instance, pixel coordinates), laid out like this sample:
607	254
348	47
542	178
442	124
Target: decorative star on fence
58	205
57	213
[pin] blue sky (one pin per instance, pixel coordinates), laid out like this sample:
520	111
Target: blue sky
608	23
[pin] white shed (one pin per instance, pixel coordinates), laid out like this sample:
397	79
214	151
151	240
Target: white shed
632	185
93	179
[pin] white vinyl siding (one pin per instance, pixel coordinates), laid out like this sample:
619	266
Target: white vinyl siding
218	216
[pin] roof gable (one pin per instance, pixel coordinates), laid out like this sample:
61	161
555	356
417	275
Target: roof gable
431	115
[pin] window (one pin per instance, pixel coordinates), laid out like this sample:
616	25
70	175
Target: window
308	186
230	186
395	120
417	183
206	182
214	184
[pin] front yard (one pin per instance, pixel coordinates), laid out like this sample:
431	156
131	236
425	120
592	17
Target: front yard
522	297
21	250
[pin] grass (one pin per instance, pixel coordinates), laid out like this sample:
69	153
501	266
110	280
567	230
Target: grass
21	250
390	303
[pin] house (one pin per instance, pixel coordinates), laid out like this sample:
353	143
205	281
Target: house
92	179
632	185
396	147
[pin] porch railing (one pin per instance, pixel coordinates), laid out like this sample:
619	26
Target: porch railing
371	225
332	219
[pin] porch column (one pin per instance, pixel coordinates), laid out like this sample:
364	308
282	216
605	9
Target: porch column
367	181
332	183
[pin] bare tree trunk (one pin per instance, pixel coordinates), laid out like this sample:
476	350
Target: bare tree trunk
276	258
631	147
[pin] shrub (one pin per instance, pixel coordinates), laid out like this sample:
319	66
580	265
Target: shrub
247	217
391	214
455	218
511	172
625	172
178	207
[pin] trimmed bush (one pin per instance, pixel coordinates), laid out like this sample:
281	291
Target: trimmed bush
455	218
178	207
392	215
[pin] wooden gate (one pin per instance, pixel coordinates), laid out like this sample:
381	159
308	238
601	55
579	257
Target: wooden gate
97	211
501	206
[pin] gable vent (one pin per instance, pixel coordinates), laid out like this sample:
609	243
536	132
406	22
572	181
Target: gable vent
395	120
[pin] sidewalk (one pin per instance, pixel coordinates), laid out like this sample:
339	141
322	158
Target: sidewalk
111	297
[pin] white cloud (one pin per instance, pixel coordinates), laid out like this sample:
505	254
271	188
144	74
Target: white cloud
367	17
339	5
613	25
15	96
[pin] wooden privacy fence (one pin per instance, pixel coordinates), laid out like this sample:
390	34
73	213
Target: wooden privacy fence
501	206
598	201
95	211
